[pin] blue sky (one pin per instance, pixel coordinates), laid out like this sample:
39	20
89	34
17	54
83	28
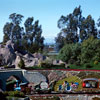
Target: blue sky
47	12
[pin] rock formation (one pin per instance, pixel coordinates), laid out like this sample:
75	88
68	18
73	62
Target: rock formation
10	56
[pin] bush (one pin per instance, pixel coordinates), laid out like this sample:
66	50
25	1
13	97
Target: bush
56	98
46	65
28	90
21	64
62	65
88	65
14	94
95	62
69	53
5	66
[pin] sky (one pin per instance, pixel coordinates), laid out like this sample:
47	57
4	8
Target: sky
47	12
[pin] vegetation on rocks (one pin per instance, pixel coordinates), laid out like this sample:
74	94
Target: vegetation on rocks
83	75
78	40
21	64
82	54
14	94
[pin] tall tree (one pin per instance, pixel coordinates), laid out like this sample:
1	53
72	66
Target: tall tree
28	37
74	28
34	34
12	29
69	26
88	28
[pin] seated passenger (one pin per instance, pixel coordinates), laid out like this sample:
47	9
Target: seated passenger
87	84
67	88
60	87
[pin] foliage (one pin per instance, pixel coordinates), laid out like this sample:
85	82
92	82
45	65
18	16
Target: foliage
28	37
96	62
88	65
33	35
93	66
84	74
90	50
69	53
82	54
78	39
5	66
75	28
12	30
14	94
21	64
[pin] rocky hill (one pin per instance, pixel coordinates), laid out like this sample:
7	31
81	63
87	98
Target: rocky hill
10	57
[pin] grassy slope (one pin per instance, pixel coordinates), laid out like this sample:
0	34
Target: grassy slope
69	80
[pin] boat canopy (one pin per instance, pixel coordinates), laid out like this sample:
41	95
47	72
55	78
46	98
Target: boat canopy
90	79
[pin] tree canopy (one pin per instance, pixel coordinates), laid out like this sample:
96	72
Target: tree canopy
75	28
79	38
81	53
28	37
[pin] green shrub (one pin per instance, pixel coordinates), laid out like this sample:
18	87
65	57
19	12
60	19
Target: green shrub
46	65
28	90
21	64
56	98
5	66
14	94
88	65
62	65
96	62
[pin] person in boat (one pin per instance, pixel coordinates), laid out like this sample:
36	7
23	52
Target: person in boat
66	86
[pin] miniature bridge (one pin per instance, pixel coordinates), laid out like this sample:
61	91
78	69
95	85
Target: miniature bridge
22	75
5	74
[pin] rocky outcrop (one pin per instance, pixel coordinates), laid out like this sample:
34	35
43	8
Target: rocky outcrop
18	58
8	53
10	56
39	56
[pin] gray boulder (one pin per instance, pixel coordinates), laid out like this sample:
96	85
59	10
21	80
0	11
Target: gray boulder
8	53
31	63
39	56
18	58
10	45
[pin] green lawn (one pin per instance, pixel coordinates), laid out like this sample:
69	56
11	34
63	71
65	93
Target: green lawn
92	66
88	66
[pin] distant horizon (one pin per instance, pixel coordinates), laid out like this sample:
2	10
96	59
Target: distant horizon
47	12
